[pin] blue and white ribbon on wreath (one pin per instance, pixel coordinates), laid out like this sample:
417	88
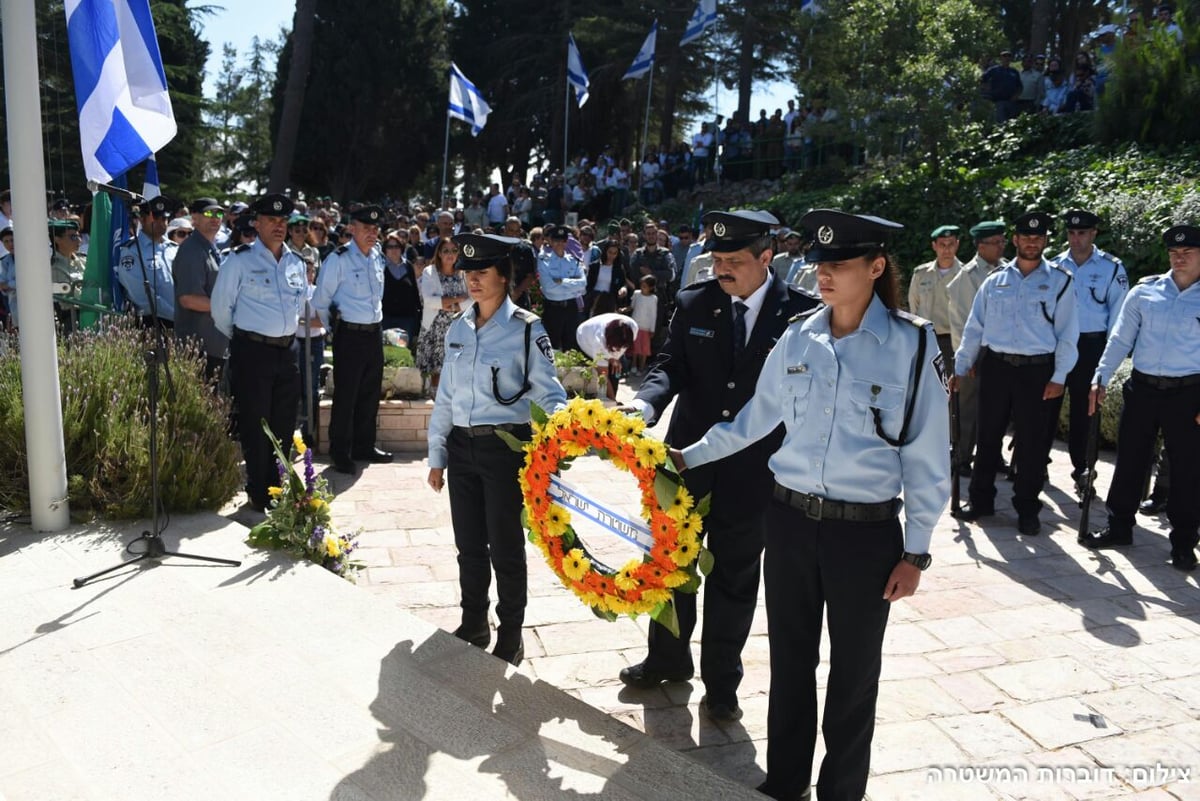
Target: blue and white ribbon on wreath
635	532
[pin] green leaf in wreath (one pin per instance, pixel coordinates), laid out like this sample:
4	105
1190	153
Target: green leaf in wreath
665	616
537	414
525	519
665	488
691	586
511	441
604	614
705	561
705	504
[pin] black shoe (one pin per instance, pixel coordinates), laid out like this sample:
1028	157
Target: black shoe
374	456
644	678
1029	525
1106	538
719	711
479	635
1153	506
510	652
765	789
345	466
970	511
1184	561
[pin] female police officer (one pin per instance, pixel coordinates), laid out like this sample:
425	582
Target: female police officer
860	390
498	361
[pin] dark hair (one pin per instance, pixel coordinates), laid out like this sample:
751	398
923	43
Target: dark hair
618	334
648	280
887	285
761	246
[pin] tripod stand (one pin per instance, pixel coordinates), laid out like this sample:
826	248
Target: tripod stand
155	356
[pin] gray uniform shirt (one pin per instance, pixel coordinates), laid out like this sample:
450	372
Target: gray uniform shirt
195	272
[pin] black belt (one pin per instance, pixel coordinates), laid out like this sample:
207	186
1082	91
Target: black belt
1166	382
548	302
1017	360
276	342
359	326
818	508
487	431
1092	336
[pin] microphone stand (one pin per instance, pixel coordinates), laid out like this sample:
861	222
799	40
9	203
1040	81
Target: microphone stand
154	549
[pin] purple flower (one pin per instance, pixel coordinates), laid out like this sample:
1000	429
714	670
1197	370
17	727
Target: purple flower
318	536
281	470
310	474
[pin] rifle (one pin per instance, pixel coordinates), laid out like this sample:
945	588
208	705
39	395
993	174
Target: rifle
955	455
1087	482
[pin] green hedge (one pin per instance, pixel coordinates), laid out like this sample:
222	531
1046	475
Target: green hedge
106	429
1110	411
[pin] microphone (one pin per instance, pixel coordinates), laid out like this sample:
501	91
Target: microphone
115	191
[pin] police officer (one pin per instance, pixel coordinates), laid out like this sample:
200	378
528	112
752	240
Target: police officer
927	295
1025	315
858	387
1100	286
1159	323
257	302
564	281
717	342
146	258
194	274
351	280
960	294
498	361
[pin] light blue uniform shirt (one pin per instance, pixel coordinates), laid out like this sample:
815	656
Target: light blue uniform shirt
1012	314
1100	287
158	259
353	281
254	292
1170	321
8	275
464	396
551	268
822	389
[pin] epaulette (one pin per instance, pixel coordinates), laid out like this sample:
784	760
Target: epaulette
1106	255
1062	270
525	315
919	322
795	318
342	249
1147	279
128	242
242	248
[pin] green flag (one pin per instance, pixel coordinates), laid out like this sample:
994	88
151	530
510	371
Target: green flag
98	275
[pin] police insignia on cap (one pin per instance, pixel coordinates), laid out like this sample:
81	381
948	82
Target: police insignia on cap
719	229
825	235
469	251
1034	222
1075	220
277	206
1179	237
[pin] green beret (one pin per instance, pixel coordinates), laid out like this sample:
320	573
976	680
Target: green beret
987	228
945	230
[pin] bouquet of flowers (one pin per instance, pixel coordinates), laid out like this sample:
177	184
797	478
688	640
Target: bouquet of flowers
299	520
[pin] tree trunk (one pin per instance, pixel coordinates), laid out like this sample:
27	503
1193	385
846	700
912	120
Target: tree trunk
671	83
1039	33
293	95
745	76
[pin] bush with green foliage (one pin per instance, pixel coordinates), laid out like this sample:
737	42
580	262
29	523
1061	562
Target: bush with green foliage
106	429
1110	411
1153	89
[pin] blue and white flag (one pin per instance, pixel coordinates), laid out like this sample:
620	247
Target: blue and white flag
576	74
120	86
643	62
703	18
150	186
810	6
466	103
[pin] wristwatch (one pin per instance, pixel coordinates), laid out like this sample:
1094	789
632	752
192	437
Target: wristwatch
918	560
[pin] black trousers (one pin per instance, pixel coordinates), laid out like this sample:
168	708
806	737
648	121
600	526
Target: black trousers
357	376
1079	386
734	534
1147	410
485	509
561	318
266	386
838	569
1011	393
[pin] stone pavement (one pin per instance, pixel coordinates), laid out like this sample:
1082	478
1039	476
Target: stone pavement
1024	668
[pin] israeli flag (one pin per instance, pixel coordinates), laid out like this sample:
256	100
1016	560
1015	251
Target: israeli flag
703	18
576	74
643	62
810	6
466	103
120	87
150	186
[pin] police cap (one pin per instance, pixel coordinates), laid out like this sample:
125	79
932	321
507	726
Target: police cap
238	207
737	230
273	205
1181	236
838	236
560	232
1079	220
1037	223
944	230
244	225
371	215
203	204
982	230
480	251
160	206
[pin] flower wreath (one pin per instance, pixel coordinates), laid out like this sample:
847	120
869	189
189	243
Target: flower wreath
643	585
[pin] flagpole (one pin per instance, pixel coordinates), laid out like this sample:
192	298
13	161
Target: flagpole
646	125
45	452
566	116
445	161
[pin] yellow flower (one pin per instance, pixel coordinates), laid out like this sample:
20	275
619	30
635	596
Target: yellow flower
274	492
603	422
626	426
618	606
591	599
332	546
673	580
690	526
576	565
317	504
555	523
298	444
656	597
680	506
650	452
686	552
573	449
625	578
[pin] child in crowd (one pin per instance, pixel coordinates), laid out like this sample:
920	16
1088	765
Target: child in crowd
645	314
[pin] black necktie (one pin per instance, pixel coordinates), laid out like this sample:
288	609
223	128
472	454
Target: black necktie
739	328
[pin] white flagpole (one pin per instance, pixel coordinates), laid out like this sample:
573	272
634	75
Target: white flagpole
646	126
445	161
39	358
567	115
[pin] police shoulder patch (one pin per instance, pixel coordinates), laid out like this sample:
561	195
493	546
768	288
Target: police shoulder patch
525	315
242	248
919	322
939	364
543	344
795	318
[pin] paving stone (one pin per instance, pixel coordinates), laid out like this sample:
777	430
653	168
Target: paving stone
973	691
960	632
917	785
1058	677
1135	709
900	746
1059	722
1028	622
909	638
1147	758
985	736
956	660
914	699
571	671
